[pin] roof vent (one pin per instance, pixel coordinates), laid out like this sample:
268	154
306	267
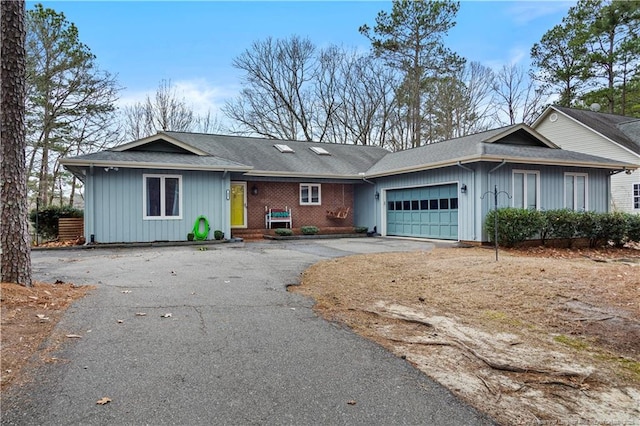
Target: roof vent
319	150
283	148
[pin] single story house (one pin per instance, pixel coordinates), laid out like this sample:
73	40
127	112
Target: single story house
153	189
606	135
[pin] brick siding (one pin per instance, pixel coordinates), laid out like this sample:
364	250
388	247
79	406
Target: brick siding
278	195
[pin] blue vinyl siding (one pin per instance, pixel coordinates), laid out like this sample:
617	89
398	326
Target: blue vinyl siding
365	205
478	201
116	214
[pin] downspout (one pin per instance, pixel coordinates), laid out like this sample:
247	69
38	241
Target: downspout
494	169
375	207
473	184
610	205
92	235
497	167
226	211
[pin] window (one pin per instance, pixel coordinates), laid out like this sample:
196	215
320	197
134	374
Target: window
636	196
576	191
162	196
526	189
310	194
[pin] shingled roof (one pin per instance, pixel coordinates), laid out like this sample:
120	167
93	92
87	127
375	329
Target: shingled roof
493	145
263	157
253	156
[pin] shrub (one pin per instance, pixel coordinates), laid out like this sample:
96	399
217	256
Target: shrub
514	225
218	234
559	224
284	232
360	229
614	228
48	219
633	227
309	230
590	226
517	225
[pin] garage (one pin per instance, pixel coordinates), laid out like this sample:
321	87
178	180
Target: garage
425	212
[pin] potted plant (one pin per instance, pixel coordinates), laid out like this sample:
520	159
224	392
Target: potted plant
218	234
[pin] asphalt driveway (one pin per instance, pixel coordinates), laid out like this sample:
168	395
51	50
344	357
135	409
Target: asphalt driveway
236	349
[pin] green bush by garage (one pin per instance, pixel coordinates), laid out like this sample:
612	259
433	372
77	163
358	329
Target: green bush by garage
516	226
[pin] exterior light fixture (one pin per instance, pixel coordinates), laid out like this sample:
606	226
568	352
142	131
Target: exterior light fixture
463	189
377	195
254	189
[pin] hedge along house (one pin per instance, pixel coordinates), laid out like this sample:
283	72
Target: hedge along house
445	190
596	133
153	189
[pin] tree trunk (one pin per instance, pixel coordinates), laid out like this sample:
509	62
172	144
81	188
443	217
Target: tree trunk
14	232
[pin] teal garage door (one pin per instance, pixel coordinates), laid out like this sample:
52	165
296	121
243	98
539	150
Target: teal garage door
427	212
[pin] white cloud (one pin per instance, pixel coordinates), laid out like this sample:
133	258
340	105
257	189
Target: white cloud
524	12
202	96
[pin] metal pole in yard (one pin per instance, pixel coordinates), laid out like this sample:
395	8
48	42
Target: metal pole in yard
495	219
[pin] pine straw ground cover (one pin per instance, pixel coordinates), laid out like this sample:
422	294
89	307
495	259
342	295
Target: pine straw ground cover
543	335
28	316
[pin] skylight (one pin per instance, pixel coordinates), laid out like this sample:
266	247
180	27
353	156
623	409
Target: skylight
319	150
283	148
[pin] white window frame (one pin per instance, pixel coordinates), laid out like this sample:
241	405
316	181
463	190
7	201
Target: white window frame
309	187
162	216
635	194
575	190
524	195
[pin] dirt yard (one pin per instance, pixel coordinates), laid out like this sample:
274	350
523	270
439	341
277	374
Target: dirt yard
542	335
28	317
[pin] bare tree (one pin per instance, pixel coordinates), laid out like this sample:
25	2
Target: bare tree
356	94
462	103
166	110
276	94
518	98
16	249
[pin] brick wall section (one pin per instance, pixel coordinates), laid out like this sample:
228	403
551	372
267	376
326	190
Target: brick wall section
277	195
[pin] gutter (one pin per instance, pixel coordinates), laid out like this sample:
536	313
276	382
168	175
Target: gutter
362	175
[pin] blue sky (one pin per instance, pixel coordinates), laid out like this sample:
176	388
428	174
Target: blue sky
193	43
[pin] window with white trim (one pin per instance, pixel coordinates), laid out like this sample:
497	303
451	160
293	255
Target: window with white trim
576	191
310	194
636	196
526	189
162	196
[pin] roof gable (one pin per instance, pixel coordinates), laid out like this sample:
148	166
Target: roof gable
161	145
522	135
160	142
618	129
